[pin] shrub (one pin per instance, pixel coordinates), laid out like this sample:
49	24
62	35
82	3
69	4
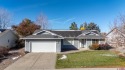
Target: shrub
100	47
94	46
3	50
20	43
104	47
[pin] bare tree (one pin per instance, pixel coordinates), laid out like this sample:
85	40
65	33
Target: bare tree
4	18
42	21
117	38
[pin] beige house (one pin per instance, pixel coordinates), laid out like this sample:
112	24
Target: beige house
115	38
60	40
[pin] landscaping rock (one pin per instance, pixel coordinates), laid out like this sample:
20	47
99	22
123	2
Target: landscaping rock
63	57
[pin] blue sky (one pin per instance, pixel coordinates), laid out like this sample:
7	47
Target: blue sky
61	13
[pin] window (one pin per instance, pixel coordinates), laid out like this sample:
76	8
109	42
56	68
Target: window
95	41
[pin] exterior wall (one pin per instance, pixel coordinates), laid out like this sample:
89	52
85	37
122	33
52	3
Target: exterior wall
58	45
83	43
115	38
70	44
8	39
76	43
88	43
101	41
28	44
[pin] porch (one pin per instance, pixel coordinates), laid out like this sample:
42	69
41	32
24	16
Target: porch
85	43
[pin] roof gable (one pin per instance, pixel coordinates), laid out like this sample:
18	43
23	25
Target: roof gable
90	34
115	31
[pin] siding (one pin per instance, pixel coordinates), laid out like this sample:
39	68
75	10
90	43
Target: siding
27	45
76	43
88	43
71	45
101	41
58	45
8	39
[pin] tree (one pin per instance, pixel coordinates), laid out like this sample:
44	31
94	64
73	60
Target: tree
85	25
119	27
119	23
82	27
4	18
26	27
42	21
73	26
92	26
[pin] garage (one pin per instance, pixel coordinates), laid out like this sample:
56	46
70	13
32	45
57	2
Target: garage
43	46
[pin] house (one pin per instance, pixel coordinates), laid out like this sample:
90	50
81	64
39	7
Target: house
8	38
59	40
115	38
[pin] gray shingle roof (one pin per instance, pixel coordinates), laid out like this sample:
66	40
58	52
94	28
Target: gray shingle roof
85	35
68	34
3	31
90	37
43	36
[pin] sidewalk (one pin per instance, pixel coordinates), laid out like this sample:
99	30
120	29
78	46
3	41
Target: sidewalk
93	69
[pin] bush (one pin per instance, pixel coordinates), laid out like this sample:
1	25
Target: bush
3	50
100	47
94	46
19	43
104	47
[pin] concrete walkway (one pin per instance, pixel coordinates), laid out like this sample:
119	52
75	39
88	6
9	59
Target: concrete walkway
35	61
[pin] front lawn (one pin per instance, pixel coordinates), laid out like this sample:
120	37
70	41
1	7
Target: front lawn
90	59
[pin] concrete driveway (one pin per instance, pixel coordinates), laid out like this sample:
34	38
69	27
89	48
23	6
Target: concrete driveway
35	61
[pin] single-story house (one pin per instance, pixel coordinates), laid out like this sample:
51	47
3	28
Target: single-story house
8	38
115	38
59	40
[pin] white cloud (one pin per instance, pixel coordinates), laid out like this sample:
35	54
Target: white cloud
59	22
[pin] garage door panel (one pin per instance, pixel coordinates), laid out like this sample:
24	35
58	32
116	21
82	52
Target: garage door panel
43	46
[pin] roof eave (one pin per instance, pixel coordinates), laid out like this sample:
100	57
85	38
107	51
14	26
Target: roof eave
41	38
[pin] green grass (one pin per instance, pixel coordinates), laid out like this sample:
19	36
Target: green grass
91	59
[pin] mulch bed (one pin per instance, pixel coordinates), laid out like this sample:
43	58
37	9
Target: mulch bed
8	59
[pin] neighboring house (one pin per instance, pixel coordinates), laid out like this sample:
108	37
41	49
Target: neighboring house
115	38
7	38
59	40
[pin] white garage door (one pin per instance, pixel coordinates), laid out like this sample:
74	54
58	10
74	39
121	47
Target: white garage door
43	46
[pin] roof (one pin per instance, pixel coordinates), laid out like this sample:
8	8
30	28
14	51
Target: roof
4	31
68	33
90	37
61	34
86	35
43	37
122	33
